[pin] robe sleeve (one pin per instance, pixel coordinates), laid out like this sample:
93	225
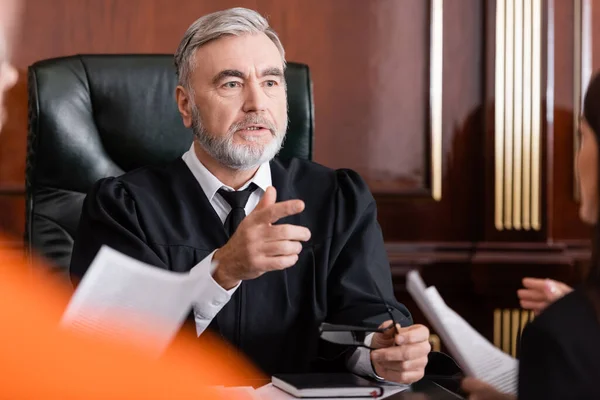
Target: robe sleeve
358	259
109	217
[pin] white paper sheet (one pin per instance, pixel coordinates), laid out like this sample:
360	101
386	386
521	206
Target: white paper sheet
270	392
475	354
239	393
122	298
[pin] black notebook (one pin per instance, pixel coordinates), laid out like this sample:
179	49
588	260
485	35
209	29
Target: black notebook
326	385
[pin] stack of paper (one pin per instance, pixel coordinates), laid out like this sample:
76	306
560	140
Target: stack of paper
476	355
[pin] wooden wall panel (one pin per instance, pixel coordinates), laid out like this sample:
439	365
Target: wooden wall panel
563	214
459	214
564	209
13	138
364	56
594	19
12	217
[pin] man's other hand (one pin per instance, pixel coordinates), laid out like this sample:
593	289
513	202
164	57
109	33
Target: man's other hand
401	357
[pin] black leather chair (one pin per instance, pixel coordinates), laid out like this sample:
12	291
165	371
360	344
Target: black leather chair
94	116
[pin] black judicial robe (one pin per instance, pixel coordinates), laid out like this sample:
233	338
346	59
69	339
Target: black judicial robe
161	216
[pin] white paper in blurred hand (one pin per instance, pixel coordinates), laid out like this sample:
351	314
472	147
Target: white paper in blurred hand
475	354
122	298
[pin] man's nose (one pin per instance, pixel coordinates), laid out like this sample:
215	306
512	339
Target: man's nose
255	99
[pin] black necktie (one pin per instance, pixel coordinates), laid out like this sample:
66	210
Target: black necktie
237	200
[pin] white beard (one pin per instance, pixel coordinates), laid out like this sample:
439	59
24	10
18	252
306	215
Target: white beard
238	156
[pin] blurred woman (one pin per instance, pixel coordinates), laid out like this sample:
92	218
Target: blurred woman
560	349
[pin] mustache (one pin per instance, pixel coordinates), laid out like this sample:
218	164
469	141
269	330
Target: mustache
253	119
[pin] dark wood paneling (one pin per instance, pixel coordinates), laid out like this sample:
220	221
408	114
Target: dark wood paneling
12	215
595	31
564	211
364	57
13	138
443	265
459	214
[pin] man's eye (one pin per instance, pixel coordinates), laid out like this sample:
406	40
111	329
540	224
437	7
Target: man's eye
271	83
232	85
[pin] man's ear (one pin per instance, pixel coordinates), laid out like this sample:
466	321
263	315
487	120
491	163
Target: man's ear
184	104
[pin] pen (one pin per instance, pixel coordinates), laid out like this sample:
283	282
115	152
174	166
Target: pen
388	309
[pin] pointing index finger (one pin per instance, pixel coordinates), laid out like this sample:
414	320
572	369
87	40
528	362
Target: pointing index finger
277	211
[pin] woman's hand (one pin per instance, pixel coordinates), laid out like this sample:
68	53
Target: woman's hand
540	293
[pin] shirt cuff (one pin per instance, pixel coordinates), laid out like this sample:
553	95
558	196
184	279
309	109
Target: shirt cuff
360	361
211	297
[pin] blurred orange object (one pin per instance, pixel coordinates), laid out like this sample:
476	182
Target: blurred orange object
39	360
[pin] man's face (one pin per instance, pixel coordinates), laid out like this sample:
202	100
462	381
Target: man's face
239	108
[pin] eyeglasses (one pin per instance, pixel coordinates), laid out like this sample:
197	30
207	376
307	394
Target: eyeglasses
350	335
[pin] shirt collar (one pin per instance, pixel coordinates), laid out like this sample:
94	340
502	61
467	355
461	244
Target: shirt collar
210	184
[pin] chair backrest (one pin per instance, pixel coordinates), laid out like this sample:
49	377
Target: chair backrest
94	116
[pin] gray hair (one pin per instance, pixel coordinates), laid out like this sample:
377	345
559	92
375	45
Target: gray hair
234	21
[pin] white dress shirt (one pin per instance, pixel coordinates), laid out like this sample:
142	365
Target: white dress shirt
213	297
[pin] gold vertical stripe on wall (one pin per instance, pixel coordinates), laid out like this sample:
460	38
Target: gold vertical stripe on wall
518	114
527	115
508	112
508	328
497	328
499	119
515	331
436	82
536	125
525	318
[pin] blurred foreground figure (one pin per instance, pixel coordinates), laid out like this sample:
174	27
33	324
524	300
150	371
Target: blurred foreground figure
39	360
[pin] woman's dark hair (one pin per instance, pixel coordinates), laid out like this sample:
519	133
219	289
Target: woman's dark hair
591	113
